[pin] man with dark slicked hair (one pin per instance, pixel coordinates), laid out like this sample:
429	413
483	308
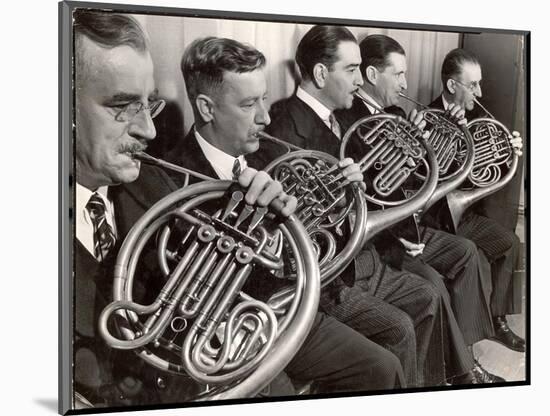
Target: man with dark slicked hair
449	262
398	310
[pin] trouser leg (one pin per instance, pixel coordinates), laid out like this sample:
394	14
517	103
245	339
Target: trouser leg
458	358
377	320
456	258
339	359
501	246
422	302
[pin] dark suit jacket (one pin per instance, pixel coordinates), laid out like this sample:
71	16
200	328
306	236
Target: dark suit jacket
295	122
188	154
439	215
103	375
476	112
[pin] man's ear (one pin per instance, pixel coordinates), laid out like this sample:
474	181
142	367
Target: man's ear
451	86
205	107
371	74
320	75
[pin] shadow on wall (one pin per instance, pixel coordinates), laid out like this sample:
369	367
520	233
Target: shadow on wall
170	129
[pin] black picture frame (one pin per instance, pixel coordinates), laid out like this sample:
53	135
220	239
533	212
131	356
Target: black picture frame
67	174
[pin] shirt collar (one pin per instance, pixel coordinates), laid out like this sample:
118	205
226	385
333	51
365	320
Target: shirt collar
372	104
322	111
220	161
445	102
83	195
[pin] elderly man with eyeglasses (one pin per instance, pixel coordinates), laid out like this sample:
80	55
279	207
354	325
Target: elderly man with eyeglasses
461	77
115	103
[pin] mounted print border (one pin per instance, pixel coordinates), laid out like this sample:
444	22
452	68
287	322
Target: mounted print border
505	61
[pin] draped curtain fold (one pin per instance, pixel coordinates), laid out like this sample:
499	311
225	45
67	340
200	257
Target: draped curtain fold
169	36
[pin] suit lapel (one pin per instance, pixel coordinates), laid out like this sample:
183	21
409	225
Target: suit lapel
309	126
437	103
189	155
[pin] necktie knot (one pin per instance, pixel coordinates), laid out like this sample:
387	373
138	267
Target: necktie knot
96	207
236	169
104	237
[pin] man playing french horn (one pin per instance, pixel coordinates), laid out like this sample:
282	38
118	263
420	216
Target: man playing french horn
449	262
461	78
116	100
399	310
227	87
378	327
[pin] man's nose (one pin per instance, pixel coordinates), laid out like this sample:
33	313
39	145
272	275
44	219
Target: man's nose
358	78
142	126
262	115
477	91
403	82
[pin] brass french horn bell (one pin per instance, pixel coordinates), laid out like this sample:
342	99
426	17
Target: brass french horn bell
325	199
495	163
454	148
195	318
391	150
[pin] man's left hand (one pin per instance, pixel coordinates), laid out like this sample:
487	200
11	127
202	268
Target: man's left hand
352	171
416	118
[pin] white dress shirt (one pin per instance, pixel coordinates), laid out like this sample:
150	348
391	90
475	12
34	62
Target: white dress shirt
445	102
220	161
84	225
319	108
373	108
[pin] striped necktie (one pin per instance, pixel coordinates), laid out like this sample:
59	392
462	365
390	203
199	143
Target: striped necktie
334	126
104	237
236	171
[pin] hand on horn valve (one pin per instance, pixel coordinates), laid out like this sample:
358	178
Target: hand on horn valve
457	114
262	189
352	171
416	118
517	143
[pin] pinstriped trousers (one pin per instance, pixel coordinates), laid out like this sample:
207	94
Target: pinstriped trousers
338	359
501	246
397	310
458	358
457	259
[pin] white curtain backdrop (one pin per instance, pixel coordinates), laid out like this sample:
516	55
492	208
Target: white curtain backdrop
278	41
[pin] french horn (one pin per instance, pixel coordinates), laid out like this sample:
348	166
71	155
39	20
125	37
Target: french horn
202	322
325	199
495	163
313	177
393	151
454	148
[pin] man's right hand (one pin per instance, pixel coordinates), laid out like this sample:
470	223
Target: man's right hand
416	118
456	113
352	171
412	249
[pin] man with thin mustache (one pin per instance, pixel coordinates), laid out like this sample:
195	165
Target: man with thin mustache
449	262
398	310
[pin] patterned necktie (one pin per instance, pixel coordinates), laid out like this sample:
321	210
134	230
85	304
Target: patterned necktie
104	237
236	169
334	126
